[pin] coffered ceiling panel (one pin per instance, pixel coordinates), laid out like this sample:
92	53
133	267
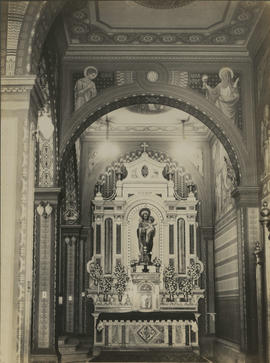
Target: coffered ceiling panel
146	22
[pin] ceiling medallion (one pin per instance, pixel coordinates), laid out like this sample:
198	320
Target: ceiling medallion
152	76
161	4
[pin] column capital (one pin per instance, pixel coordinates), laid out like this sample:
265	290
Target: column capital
208	232
15	85
50	195
71	229
246	196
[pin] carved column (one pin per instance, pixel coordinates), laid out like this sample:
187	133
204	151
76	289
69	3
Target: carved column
72	283
258	252
208	239
265	221
45	252
18	123
246	199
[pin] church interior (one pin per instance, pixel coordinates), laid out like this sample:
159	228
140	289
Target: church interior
135	159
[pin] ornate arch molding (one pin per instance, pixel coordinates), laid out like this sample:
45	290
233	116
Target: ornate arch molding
183	99
37	21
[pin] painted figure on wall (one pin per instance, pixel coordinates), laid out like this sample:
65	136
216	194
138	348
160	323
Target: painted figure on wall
225	95
265	140
145	233
85	88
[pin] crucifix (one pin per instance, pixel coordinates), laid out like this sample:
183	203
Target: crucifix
144	145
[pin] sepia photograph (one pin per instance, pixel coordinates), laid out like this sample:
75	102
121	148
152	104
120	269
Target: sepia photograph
135	181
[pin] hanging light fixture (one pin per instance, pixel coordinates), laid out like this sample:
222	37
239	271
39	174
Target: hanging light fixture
108	149
183	146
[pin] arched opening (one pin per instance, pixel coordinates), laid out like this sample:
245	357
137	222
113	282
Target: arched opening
68	233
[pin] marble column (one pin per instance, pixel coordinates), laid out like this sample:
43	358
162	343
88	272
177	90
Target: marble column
248	231
45	252
18	124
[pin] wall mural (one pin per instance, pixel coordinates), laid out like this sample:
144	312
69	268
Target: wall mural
223	88
225	94
225	180
85	88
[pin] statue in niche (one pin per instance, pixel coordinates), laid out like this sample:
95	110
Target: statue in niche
225	95
85	88
265	141
145	233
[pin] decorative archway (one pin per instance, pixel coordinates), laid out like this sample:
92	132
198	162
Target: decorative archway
183	99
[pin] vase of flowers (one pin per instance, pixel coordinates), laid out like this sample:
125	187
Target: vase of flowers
157	263
170	281
133	265
186	286
121	280
106	286
96	273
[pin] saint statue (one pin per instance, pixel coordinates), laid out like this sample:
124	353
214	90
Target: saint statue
85	88
225	95
145	232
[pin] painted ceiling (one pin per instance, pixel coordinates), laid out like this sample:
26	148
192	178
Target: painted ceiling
125	123
147	22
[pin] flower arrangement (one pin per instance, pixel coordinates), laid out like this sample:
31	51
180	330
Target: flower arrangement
194	271
186	286
170	281
106	284
121	278
157	262
133	264
96	273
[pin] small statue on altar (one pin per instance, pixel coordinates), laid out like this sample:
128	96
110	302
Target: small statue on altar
85	88
145	233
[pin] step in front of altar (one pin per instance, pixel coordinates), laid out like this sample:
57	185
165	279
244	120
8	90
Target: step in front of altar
145	330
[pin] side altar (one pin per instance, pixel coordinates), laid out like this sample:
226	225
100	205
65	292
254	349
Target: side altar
144	276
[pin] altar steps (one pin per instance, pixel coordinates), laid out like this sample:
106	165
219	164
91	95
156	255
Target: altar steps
149	356
74	350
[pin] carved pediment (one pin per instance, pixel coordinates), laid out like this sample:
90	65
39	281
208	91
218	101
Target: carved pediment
146	170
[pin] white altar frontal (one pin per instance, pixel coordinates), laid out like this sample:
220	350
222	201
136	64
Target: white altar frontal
145	272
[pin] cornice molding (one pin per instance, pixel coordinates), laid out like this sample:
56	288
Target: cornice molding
17	85
246	196
210	53
47	194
